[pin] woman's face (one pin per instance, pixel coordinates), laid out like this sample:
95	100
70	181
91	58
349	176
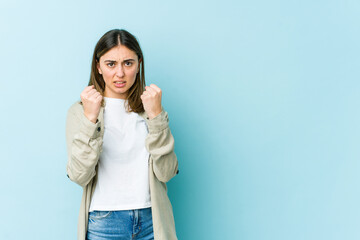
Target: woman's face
118	67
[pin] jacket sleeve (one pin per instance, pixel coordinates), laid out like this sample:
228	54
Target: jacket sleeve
160	144
84	143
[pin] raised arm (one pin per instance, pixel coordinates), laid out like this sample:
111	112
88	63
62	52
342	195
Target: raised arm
84	142
160	144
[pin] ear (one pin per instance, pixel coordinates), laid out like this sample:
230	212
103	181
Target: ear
98	67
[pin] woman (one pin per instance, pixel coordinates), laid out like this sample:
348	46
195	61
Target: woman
120	147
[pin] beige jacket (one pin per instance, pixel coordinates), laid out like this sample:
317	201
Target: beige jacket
84	144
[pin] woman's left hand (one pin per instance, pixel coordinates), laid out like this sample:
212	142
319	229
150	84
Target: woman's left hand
151	99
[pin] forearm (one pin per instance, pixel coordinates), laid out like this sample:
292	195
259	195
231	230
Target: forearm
160	144
84	144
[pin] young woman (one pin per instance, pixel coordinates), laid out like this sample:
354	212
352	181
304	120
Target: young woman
120	147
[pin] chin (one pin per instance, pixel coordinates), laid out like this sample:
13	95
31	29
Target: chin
121	91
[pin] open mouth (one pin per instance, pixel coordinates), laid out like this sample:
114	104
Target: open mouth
120	83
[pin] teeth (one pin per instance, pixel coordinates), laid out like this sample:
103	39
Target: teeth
119	82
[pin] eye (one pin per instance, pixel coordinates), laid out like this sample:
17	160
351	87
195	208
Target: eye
128	63
112	64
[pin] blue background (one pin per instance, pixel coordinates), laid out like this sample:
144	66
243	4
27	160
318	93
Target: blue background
263	100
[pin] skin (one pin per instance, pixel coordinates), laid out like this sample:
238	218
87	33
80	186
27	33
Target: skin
119	64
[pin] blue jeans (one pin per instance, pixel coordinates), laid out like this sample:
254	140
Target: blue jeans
120	225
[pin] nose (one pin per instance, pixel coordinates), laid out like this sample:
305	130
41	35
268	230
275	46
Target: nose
120	71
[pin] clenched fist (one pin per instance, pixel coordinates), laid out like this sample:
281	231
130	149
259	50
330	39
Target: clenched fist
91	100
151	99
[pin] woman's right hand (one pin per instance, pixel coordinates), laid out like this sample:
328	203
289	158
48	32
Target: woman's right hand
91	100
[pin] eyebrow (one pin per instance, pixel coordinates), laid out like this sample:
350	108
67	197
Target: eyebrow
126	60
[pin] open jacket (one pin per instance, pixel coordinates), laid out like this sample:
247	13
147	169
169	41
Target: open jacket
84	144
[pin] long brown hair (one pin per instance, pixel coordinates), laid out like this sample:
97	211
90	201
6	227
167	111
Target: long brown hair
112	39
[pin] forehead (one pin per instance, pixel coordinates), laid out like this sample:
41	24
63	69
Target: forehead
119	53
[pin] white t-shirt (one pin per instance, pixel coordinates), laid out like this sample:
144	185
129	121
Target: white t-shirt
123	179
